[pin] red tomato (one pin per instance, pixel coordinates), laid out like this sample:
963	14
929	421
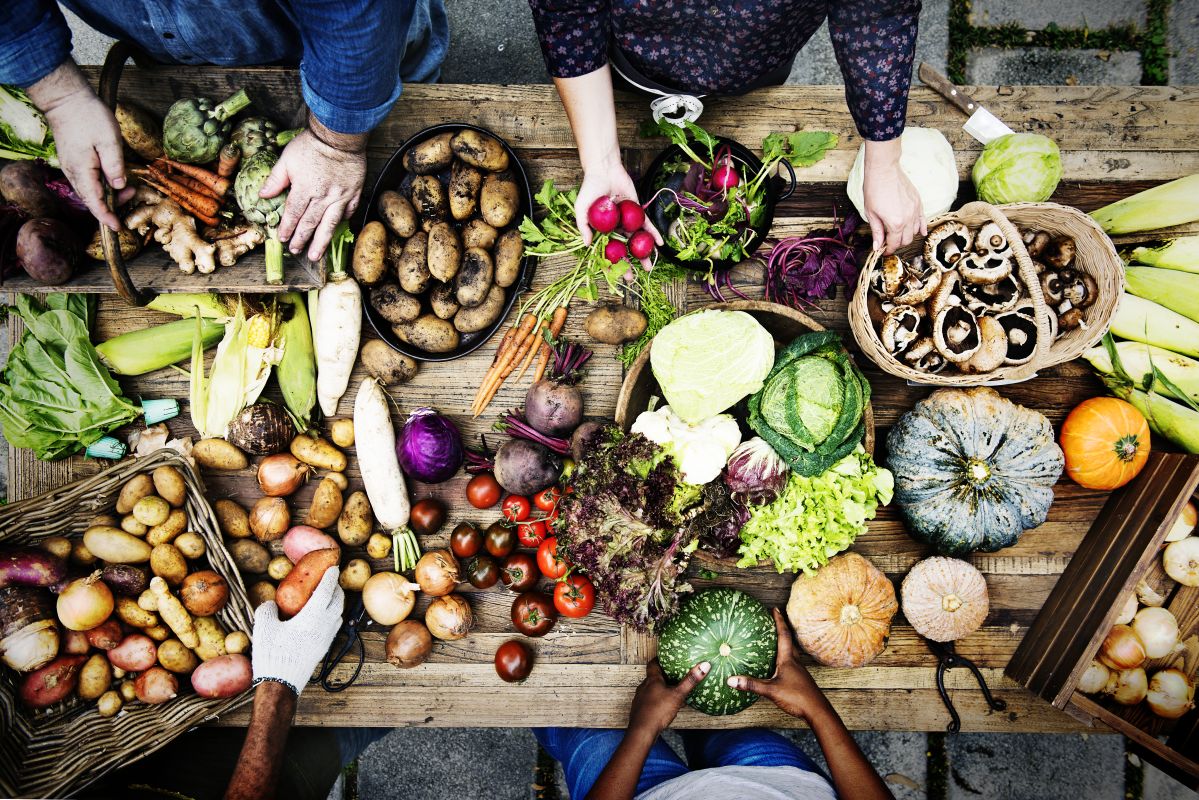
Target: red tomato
515	508
519	572
533	614
531	534
551	516
513	661
552	565
547	499
574	596
483	491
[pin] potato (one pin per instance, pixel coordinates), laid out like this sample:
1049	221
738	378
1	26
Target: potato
615	324
301	582
260	592
326	505
108	520
191	545
445	252
212	638
48	250
141	130
398	214
478	233
176	658
249	556
159	632
170	486
109	704
58	546
226	676
155	686
341	431
393	303
354	574
237	642
385	364
317	452
499	200
507	255
369	248
134	489
465	181
148	601
443	300
81	555
356	521
106	635
125	579
219	454
130	524
172	526
470	320
412	267
168	563
303	539
94	677
431	155
126	691
378	546
339	478
480	150
133	614
115	546
151	510
118	673
128	242
204	593
135	653
234	520
428	198
49	684
475	279
429	333
279	567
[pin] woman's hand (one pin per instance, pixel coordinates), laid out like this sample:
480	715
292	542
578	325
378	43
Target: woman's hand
791	688
656	703
893	207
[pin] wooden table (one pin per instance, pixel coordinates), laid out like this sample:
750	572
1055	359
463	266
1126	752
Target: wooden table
1113	142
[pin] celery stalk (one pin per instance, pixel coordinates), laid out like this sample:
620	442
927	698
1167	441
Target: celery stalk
1139	361
1173	203
148	349
1181	254
1177	291
1145	321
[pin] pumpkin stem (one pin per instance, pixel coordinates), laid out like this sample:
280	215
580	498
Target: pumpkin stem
978	471
951	603
1127	446
725	650
850	615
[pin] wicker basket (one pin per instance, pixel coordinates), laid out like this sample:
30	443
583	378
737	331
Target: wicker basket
57	751
1095	255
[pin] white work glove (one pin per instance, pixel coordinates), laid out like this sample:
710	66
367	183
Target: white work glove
288	652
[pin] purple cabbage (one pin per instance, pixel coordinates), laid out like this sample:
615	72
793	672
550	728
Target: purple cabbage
755	473
429	447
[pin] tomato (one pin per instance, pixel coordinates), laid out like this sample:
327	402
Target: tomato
547	499
427	516
466	540
533	614
552	565
551	516
482	572
515	508
531	534
500	539
483	491
574	596
519	572
513	661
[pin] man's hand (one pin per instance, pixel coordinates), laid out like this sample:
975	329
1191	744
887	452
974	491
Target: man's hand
289	651
86	136
324	171
893	207
656	703
791	688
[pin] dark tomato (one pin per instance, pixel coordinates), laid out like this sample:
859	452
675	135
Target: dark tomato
513	661
574	596
533	614
547	499
519	572
482	572
552	565
483	491
466	540
515	508
427	516
500	539
531	534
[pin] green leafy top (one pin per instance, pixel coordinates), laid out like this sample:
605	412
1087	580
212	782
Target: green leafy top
342	236
799	149
24	133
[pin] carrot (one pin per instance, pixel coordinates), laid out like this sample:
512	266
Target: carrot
507	354
191	184
547	352
211	179
180	196
517	354
226	165
528	359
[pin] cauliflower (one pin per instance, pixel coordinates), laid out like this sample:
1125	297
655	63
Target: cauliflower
700	450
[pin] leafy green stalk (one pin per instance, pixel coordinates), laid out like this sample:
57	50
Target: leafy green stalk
24	133
342	236
659	311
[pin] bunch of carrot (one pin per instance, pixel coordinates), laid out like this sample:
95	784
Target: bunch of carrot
199	191
518	348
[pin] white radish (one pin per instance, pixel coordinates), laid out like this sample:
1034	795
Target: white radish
375	445
336	326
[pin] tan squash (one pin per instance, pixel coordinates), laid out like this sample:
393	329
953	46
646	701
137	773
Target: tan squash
842	614
945	599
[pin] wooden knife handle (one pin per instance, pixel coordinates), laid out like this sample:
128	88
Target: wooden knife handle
941	85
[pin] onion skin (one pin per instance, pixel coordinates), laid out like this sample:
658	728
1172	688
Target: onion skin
409	644
1171	694
269	519
388	597
1128	687
85	603
1094	680
281	475
1181	560
1122	649
437	573
1158	631
449	618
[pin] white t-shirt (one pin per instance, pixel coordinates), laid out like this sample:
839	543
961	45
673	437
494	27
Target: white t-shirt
744	783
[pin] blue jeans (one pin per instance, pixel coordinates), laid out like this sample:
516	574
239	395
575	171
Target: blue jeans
584	752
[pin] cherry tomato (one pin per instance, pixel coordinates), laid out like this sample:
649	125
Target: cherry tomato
483	491
500	539
466	540
482	571
427	516
552	565
533	614
515	508
513	661
574	596
519	572
547	499
531	534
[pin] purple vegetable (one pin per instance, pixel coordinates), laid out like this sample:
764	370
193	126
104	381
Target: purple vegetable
11	220
429	447
755	473
28	566
803	268
515	425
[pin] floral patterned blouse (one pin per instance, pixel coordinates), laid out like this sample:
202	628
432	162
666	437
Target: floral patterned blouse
715	46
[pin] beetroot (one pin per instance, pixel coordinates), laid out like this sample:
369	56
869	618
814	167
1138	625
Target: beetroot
603	215
554	406
632	215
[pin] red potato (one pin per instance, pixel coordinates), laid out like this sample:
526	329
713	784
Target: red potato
27	566
303	539
75	643
300	583
223	676
106	636
135	653
52	683
156	685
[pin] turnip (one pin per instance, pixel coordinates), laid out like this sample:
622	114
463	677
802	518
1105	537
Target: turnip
641	244
632	215
616	251
525	468
725	176
604	215
554	405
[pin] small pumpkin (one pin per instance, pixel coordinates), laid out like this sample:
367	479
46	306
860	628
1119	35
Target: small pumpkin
973	470
1106	443
842	614
945	599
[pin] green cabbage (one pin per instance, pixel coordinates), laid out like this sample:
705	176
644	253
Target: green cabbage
1018	168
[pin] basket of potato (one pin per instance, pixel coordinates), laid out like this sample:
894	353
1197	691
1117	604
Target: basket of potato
123	623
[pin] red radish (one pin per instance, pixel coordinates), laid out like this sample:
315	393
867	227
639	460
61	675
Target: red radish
641	244
604	215
632	216
725	177
615	251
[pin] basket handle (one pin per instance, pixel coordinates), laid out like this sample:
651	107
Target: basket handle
110	78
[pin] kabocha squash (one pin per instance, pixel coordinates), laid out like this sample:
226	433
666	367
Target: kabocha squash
1106	443
972	470
842	614
945	599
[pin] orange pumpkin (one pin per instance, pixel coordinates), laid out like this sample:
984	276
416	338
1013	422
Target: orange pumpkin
1106	443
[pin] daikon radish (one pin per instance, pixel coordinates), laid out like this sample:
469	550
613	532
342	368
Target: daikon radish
375	444
336	325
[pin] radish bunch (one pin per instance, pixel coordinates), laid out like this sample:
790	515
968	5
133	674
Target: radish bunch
606	216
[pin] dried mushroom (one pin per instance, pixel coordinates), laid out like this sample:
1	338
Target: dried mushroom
988	267
993	298
947	244
1021	330
956	334
901	327
992	349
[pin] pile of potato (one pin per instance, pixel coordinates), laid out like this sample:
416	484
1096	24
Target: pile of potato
449	248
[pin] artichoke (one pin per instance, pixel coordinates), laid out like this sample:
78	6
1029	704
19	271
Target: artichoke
253	134
194	129
266	211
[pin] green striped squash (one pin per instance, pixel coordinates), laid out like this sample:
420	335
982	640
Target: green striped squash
730	630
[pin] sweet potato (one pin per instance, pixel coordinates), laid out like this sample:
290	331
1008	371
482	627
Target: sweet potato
156	685
125	579
52	683
294	590
224	676
106	635
135	653
369	249
27	566
303	539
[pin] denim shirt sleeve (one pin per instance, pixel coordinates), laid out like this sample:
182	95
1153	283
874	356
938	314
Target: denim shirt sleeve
875	44
573	35
34	39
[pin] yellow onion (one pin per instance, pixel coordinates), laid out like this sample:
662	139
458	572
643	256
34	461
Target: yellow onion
1095	679
1158	631
1127	612
388	597
1181	560
85	603
1128	687
1171	693
269	519
1122	649
437	573
281	474
449	618
409	644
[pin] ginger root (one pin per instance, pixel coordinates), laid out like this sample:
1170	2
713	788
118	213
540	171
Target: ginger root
174	229
233	243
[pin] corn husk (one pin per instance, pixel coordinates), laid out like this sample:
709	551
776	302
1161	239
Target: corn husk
1177	291
1173	203
239	373
1145	321
1181	254
1139	361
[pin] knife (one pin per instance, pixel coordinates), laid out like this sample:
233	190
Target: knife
982	125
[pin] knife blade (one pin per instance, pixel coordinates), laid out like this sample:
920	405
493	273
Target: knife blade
982	124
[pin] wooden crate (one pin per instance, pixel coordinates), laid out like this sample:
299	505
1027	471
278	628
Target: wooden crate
1122	548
